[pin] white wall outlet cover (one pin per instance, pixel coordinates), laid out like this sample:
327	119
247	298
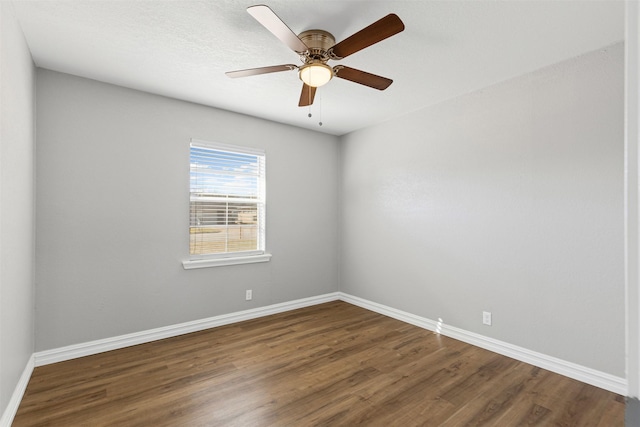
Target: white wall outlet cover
486	318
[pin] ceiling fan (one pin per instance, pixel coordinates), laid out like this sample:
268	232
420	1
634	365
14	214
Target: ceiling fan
317	47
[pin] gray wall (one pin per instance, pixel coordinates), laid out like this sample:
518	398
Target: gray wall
17	76
508	200
632	208
112	220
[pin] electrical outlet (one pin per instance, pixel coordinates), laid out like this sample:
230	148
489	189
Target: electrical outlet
248	295
486	318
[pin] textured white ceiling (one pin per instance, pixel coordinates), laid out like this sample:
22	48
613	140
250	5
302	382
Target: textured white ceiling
182	49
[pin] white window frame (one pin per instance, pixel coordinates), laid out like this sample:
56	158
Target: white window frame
240	257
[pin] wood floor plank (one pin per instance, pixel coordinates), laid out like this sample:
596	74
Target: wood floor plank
330	364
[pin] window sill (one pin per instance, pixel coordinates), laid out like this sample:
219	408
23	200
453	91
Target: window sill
220	262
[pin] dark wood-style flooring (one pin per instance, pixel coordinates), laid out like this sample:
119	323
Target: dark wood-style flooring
330	364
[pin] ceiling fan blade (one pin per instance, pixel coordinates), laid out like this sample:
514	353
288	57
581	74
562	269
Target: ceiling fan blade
374	33
362	77
264	15
261	70
307	95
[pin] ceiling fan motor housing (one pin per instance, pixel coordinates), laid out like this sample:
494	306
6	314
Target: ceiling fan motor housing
318	42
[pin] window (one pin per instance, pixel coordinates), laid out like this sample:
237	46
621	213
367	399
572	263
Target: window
226	204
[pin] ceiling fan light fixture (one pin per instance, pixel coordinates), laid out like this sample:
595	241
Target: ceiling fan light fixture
316	47
316	74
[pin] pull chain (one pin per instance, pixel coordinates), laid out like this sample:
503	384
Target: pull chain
319	108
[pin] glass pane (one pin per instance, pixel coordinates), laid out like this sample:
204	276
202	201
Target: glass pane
225	192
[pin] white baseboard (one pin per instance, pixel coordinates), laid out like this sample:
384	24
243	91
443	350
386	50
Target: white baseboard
93	347
571	370
12	408
581	373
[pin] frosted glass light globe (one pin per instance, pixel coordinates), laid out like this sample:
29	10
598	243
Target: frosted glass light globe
316	74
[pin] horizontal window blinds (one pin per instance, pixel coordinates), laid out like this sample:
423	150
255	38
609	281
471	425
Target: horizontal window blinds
227	199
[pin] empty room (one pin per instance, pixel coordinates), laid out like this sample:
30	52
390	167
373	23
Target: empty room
225	213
